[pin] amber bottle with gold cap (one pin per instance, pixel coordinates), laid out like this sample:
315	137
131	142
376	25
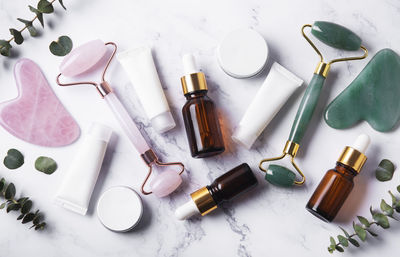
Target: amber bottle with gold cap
199	114
337	183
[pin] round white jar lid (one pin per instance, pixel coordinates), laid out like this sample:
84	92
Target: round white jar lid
119	208
243	53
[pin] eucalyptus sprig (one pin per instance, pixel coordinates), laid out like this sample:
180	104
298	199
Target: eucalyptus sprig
43	7
380	218
23	204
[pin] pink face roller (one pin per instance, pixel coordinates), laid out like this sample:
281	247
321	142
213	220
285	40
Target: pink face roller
87	56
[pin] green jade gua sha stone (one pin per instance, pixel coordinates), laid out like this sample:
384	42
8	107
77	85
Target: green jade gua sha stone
335	36
374	96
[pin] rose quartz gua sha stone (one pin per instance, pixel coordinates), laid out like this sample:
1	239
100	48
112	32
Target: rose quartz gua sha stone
37	115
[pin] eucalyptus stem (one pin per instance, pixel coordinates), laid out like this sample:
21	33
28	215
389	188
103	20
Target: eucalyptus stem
43	7
379	218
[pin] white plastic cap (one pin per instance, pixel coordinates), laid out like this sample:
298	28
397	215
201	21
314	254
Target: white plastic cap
362	142
100	131
186	211
163	122
189	64
242	53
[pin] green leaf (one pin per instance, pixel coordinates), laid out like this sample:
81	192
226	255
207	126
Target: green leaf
361	233
13	207
28	218
21	216
45	7
40	226
2	206
333	242
386	208
5	47
18	38
62	4
22	200
61	47
2	184
364	221
372	233
10	191
354	242
343	241
398	188
14	159
345	232
340	249
45	165
29	25
382	220
385	170
26	207
331	250
38	14
37	219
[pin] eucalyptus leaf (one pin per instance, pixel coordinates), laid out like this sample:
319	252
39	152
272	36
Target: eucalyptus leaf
61	47
38	14
330	249
18	38
40	226
46	165
62	4
345	232
354	242
372	233
385	170
398	188
340	249
21	216
361	233
26	207
14	159
364	221
45	6
28	218
37	219
382	220
10	191
386	208
2	184
13	207
5	47
333	242
2	205
343	241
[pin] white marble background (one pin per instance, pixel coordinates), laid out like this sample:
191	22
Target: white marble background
269	221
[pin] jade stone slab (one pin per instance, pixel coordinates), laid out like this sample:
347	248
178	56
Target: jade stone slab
280	176
335	35
374	96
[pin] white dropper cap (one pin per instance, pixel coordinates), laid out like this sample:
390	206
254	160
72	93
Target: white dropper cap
362	142
187	210
189	64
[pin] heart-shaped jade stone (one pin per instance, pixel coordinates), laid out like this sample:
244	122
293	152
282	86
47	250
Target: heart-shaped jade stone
373	96
280	176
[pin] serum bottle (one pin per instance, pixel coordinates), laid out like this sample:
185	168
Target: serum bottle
236	181
337	183
199	115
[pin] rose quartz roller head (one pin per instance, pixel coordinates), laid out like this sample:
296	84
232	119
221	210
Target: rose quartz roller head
83	59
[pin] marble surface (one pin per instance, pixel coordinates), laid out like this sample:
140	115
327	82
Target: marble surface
269	221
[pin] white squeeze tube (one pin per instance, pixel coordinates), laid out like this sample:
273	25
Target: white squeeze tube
77	186
138	63
273	94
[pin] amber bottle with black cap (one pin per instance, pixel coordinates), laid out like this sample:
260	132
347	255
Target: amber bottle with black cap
199	114
337	183
236	181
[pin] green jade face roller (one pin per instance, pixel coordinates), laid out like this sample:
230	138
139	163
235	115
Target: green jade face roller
335	36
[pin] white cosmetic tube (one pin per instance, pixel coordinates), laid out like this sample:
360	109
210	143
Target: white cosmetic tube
273	94
77	187
138	63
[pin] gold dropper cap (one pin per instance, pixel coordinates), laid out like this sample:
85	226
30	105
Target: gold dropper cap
203	200
353	158
193	82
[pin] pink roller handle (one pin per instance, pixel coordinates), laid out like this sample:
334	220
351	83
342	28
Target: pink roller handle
126	122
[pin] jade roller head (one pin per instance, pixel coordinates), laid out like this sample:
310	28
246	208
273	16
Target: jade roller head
335	36
83	59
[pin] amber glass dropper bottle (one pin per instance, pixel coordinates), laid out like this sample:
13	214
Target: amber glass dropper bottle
337	183
199	114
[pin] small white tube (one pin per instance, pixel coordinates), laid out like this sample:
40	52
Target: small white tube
138	63
77	187
273	94
187	210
